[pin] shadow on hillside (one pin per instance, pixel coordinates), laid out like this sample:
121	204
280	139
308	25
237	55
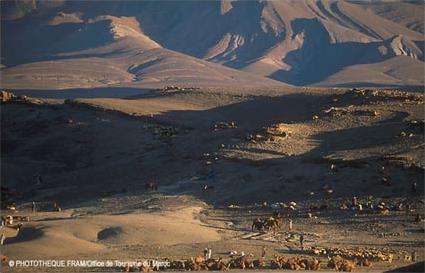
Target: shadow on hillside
296	108
318	58
252	113
26	234
411	88
249	115
83	93
47	42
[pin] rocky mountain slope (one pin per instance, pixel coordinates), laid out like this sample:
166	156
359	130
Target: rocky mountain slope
325	43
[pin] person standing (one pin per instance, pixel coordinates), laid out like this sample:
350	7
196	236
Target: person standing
290	224
38	180
407	210
33	206
302	242
209	253
354	202
57	207
263	252
206	253
414	187
2	238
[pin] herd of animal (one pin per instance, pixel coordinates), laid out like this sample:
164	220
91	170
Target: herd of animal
336	263
268	224
372	254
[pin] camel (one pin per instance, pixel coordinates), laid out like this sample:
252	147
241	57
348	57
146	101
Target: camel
197	267
259	263
279	216
197	263
277	262
241	262
271	224
280	259
335	262
340	264
313	264
292	264
199	259
348	266
274	265
212	264
267	224
257	224
179	265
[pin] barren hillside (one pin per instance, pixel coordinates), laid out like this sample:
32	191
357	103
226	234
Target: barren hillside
294	42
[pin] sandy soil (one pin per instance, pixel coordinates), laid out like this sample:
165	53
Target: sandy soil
96	155
52	235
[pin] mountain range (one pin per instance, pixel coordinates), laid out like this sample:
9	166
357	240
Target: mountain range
73	44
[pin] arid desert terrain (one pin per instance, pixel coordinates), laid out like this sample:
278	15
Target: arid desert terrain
137	181
212	135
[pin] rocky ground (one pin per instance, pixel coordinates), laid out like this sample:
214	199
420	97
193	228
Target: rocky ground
167	174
